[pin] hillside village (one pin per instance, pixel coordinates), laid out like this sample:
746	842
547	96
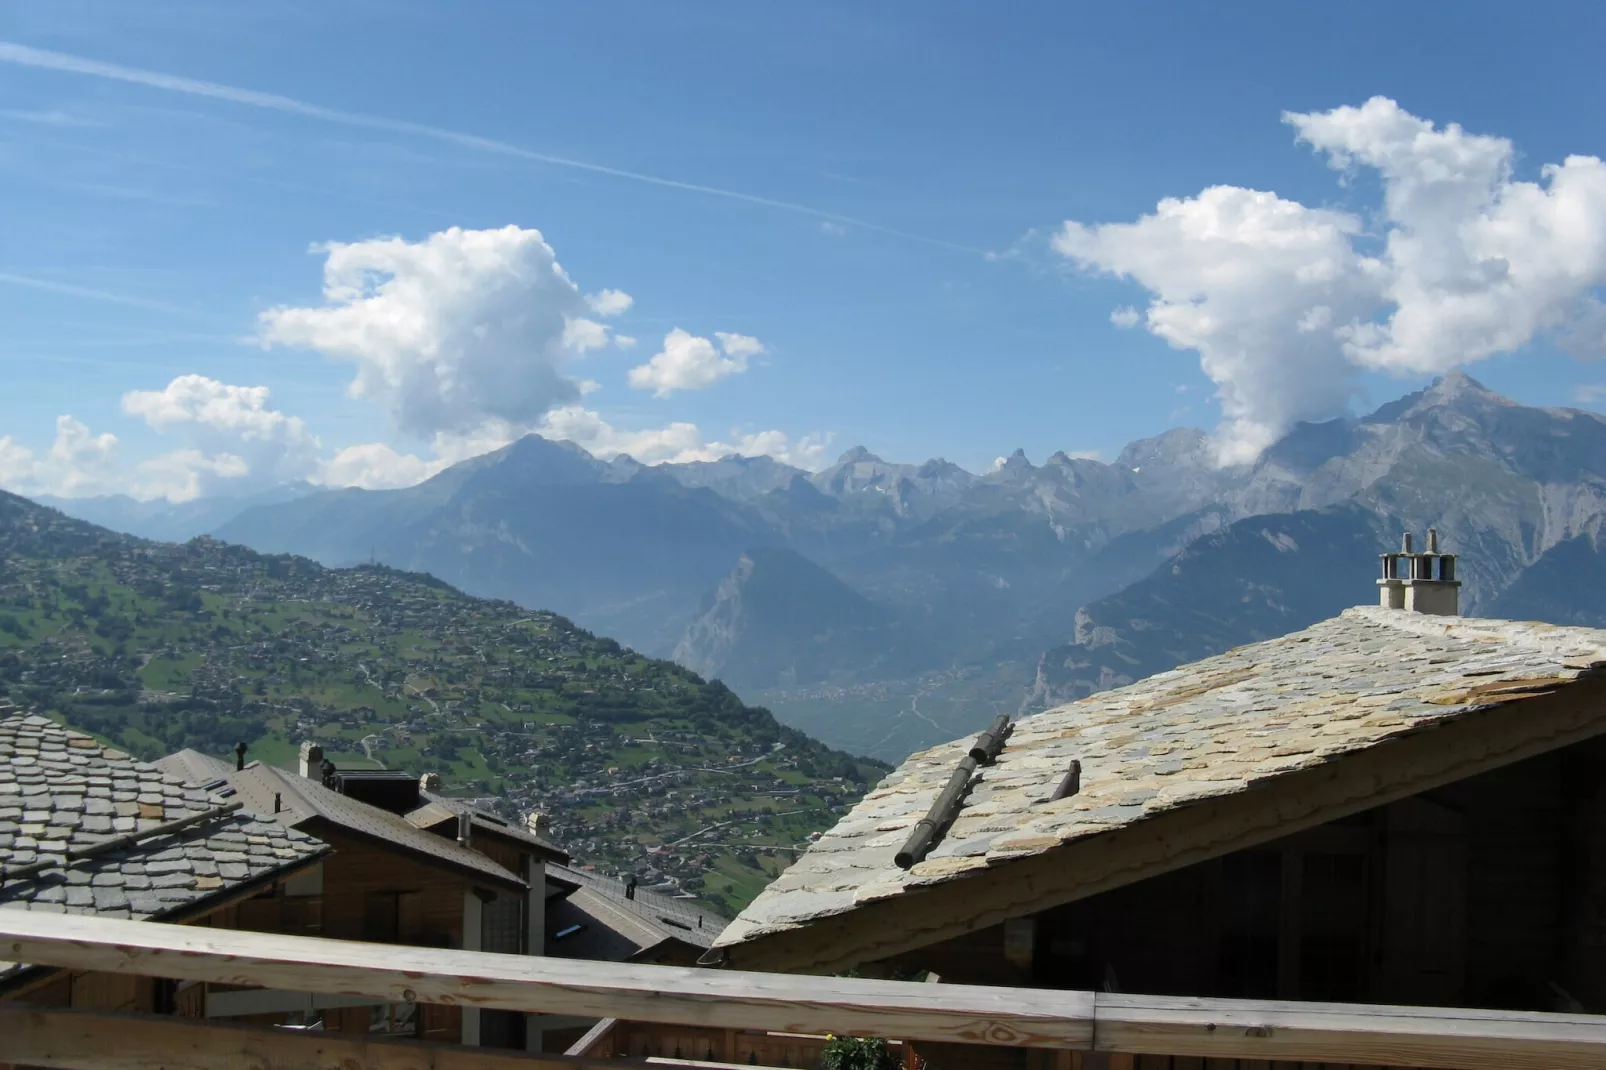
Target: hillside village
636	765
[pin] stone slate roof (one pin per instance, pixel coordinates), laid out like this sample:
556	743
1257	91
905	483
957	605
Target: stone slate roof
192	767
1212	728
617	928
437	810
303	801
61	790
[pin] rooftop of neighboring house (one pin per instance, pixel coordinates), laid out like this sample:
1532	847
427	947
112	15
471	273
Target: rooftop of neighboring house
440	811
190	766
65	798
617	922
302	801
1325	701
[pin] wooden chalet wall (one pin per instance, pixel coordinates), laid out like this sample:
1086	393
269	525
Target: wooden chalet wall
1490	892
367	892
375	893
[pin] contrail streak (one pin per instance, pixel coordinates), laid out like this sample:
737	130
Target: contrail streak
25	56
69	290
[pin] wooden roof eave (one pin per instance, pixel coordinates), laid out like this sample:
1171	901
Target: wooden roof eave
1485	737
320	826
31	977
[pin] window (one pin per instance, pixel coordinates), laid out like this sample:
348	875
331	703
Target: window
394	1019
393	918
501	925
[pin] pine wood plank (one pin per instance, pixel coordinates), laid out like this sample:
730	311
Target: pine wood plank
1345	1033
60	1039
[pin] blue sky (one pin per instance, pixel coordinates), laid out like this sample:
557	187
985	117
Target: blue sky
872	196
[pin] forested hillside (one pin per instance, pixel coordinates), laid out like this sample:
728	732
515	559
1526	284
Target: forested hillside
639	764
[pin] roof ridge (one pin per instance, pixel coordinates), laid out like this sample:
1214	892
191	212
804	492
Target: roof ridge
1482	629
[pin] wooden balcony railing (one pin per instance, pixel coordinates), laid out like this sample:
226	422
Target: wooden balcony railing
1066	1028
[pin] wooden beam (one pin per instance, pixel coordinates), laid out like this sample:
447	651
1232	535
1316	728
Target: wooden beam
1474	743
62	1039
595	1035
395	973
1165	1027
1348	1034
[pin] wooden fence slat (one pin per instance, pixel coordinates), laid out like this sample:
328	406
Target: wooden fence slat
965	1014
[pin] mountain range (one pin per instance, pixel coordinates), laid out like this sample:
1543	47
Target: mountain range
882	606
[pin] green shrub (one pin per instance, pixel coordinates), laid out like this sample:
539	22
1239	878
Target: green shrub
857	1053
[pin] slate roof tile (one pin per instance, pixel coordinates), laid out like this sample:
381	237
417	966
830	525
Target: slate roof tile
71	808
1200	731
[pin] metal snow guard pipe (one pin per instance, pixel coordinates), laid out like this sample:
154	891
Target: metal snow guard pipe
990	742
926	831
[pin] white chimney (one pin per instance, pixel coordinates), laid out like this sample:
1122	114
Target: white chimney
312	760
1420	582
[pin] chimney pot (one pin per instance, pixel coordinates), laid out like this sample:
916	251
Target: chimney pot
429	782
465	828
630	886
311	759
239	756
278	801
1428	584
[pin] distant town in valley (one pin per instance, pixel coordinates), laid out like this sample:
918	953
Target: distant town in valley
636	765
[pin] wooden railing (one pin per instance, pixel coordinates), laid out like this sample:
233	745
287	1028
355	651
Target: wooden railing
925	1015
686	1044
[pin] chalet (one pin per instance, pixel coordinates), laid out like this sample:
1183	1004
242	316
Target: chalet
615	920
407	867
1397	805
85	829
603	919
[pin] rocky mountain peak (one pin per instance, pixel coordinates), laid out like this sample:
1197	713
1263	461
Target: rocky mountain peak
1178	446
1016	462
856	454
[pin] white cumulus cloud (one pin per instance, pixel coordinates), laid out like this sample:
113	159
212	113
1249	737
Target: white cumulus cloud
610	302
78	464
376	466
1284	303
678	442
461	328
690	362
234	439
739	346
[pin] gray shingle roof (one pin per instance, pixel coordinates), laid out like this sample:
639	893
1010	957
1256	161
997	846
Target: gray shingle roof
302	800
192	767
438	809
621	928
1212	728
61	790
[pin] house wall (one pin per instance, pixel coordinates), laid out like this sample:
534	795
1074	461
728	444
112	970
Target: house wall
1584	942
429	900
1490	892
365	892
